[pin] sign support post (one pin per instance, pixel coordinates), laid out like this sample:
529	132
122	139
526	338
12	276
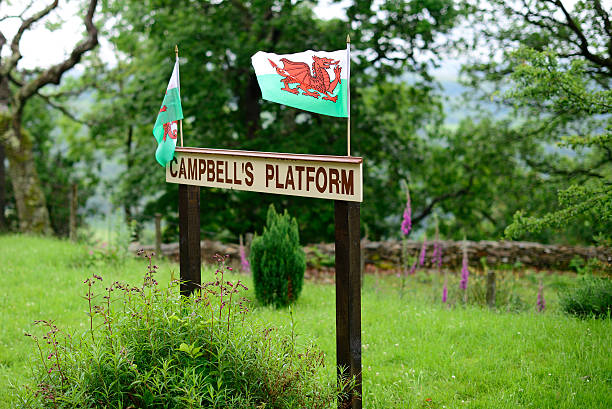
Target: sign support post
190	252
348	298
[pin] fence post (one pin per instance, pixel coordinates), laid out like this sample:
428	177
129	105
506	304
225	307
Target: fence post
491	289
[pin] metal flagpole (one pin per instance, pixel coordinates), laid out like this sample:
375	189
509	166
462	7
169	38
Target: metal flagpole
179	87
348	94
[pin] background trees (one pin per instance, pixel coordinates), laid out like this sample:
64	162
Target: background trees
558	63
17	88
475	174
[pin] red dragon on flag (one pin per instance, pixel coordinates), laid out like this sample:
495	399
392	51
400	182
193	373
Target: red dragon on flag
299	73
170	127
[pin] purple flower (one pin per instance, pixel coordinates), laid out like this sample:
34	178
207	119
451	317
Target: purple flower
423	252
465	273
244	262
444	293
541	303
413	268
407	220
436	257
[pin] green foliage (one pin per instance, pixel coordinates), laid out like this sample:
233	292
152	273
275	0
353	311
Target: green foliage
61	158
591	298
544	82
559	61
278	261
155	349
223	106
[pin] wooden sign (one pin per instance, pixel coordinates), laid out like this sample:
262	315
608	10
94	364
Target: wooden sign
327	177
318	176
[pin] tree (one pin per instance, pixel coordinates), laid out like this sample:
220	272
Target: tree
17	87
560	64
565	89
223	106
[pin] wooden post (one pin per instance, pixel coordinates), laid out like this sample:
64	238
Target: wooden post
189	238
348	298
491	289
74	206
158	234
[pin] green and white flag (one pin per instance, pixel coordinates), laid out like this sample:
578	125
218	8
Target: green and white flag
165	129
316	81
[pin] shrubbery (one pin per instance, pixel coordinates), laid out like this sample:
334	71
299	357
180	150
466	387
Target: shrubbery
592	298
278	261
154	349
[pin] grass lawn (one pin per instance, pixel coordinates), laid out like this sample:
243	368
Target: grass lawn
417	352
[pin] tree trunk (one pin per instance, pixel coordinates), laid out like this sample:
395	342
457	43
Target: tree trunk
129	162
3	225
74	207
29	196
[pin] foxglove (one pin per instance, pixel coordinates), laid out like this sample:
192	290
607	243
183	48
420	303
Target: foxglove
541	303
407	219
244	262
465	272
423	252
444	293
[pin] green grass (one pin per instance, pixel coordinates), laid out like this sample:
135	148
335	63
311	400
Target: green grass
414	347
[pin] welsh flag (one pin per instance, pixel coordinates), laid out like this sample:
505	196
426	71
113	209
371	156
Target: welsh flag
316	81
166	126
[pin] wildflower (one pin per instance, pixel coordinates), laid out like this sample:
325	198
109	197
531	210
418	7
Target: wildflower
465	272
407	220
541	303
244	261
436	256
423	252
444	293
413	268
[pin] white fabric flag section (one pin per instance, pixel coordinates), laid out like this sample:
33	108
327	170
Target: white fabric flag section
166	125
315	81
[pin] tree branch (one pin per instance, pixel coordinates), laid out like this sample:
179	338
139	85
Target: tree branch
427	210
11	62
584	43
62	109
53	74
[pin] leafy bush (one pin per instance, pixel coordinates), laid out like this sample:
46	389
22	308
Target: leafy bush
278	261
147	347
593	297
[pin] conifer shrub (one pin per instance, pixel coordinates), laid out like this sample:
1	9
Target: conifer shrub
278	261
148	347
591	298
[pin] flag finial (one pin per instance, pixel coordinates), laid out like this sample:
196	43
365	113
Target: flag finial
176	50
348	38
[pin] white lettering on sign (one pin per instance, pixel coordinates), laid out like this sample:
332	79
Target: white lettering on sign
326	177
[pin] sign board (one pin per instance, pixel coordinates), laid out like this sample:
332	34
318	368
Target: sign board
319	176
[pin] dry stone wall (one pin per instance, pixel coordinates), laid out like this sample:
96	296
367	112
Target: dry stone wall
386	254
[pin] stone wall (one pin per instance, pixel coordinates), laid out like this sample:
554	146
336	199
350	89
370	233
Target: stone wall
386	254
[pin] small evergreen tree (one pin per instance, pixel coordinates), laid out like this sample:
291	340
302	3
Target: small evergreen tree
278	261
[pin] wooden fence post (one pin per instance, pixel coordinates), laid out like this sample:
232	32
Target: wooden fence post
491	289
190	253
158	234
74	207
348	298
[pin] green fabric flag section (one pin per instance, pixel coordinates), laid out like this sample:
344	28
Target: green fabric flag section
165	129
271	90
